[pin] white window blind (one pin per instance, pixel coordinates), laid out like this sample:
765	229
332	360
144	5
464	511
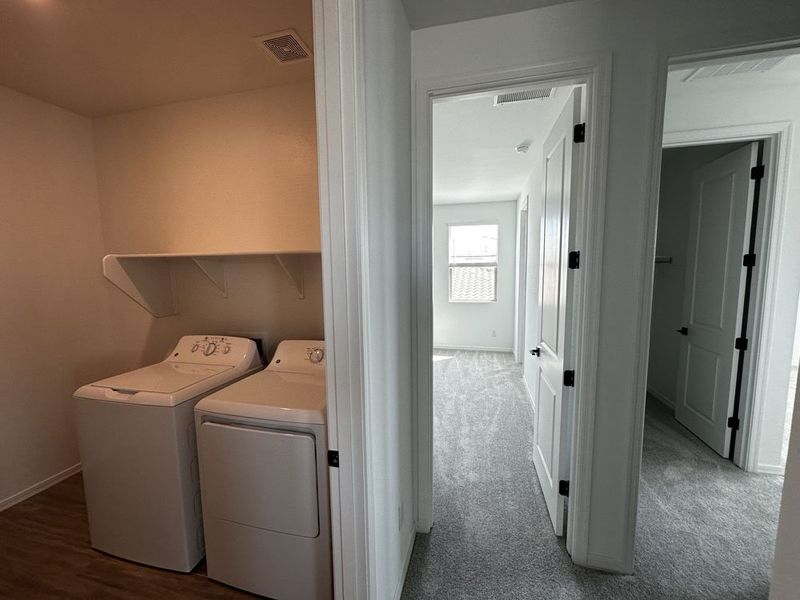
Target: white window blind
473	263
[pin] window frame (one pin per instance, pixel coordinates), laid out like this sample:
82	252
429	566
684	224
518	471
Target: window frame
451	265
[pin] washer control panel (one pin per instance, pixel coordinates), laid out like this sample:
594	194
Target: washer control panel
299	356
212	349
315	355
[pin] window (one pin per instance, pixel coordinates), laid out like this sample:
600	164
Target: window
473	263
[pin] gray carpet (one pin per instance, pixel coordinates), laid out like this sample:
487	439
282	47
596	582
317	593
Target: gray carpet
706	529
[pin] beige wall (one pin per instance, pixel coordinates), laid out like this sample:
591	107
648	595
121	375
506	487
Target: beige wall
231	173
54	326
260	300
234	173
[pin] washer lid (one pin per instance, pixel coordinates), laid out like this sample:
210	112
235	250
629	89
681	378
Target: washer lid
162	378
271	396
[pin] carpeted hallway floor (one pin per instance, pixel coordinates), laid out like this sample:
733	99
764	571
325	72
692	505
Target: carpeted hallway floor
706	529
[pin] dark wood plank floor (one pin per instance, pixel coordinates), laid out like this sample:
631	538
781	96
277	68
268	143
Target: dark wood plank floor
45	553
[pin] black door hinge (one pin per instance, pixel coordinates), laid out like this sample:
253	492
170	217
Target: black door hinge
740	343
574	259
579	133
757	172
563	488
333	458
569	378
733	422
749	260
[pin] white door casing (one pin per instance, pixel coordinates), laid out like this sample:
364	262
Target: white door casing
721	215
588	217
551	440
522	271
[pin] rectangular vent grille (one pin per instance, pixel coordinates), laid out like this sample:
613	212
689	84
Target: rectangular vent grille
284	46
760	65
523	95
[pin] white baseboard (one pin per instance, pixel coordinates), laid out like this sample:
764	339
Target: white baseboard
604	562
399	590
770	469
473	348
528	391
38	487
661	398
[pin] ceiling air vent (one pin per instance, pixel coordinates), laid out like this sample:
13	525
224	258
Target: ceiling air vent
523	95
759	65
284	46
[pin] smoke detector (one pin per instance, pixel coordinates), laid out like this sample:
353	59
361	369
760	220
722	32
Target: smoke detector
523	147
285	47
759	65
523	95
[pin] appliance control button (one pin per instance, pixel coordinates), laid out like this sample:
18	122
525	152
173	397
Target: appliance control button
226	349
210	349
195	347
316	355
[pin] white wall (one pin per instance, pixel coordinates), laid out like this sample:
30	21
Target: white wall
481	325
388	285
796	353
636	33
54	321
687	109
674	209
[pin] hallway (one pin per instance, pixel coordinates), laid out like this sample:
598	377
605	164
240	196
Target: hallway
706	529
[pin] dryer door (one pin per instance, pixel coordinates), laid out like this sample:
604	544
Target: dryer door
263	478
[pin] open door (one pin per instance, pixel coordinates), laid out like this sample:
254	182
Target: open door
551	442
719	229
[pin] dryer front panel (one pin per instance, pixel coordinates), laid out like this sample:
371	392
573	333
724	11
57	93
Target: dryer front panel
264	478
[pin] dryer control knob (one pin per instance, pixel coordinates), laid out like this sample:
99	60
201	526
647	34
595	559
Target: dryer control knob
210	349
195	347
316	355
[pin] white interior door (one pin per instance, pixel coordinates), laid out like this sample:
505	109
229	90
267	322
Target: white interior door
551	444
722	206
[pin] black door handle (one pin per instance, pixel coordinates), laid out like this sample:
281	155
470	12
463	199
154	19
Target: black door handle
683	330
536	352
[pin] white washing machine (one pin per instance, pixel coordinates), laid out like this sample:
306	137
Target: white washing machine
139	454
262	445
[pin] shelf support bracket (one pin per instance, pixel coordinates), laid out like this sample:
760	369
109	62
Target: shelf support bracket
214	269
149	283
292	265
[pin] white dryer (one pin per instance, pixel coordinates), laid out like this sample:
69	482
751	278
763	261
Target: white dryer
262	445
139	454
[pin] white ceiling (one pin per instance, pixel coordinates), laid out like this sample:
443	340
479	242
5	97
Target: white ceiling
99	57
786	73
427	13
474	156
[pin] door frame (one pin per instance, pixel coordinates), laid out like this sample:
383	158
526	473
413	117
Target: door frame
772	203
666	60
520	304
339	83
587	236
